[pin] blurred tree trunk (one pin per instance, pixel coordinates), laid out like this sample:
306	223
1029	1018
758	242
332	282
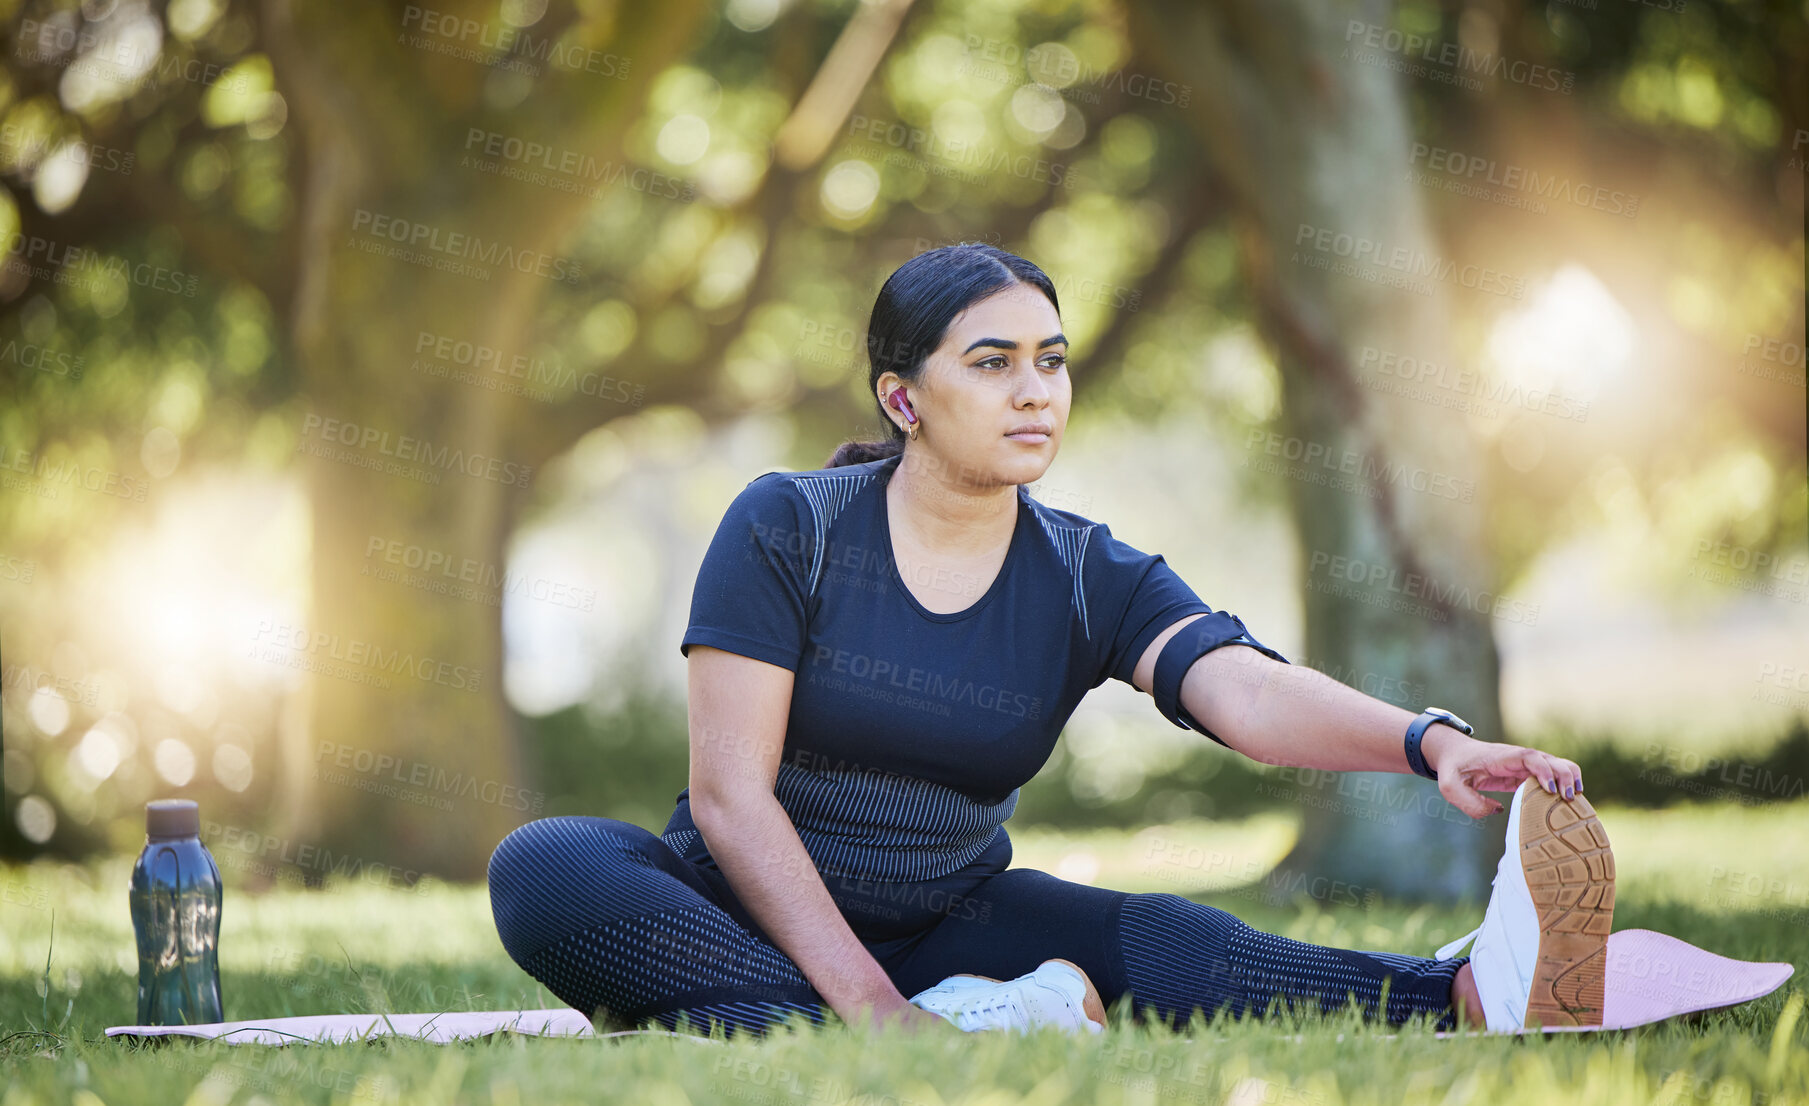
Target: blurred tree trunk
426	774
1307	139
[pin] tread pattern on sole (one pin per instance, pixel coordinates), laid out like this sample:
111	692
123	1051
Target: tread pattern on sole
1569	868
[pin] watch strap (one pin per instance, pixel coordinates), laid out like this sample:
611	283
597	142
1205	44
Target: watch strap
1416	732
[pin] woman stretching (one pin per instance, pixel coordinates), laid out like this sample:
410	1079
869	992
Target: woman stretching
883	651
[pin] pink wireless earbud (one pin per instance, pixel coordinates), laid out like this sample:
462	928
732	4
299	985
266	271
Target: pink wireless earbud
901	404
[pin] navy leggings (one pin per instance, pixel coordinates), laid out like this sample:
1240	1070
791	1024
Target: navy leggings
622	927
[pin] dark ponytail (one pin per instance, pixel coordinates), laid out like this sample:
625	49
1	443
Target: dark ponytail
911	316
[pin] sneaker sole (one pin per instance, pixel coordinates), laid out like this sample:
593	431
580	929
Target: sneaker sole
1569	868
1092	1006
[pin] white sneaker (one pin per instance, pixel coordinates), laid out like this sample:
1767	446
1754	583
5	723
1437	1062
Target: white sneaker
1542	949
1057	993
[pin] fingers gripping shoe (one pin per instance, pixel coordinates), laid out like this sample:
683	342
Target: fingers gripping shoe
1541	952
1057	993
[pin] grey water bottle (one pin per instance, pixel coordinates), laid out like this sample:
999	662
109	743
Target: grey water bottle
176	913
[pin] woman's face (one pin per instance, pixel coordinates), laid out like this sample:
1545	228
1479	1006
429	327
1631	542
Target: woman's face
1002	364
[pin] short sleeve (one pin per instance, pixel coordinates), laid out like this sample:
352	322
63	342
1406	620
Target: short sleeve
1141	595
751	591
1145	596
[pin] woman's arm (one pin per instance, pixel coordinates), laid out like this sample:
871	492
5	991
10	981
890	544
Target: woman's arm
738	709
1294	715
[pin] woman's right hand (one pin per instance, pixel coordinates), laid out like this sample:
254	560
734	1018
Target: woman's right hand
902	1014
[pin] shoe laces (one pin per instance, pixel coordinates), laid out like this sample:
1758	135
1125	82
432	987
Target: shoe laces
983	1011
1447	951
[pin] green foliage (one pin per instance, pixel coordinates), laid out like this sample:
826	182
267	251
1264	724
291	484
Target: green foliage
631	763
719	303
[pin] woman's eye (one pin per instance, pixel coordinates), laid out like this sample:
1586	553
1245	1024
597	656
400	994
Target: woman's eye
998	362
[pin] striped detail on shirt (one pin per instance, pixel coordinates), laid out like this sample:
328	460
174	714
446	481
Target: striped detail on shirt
886	827
1071	545
828	495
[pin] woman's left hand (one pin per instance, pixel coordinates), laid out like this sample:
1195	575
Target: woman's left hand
1467	769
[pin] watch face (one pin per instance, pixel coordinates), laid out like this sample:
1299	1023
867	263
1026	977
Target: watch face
1443	713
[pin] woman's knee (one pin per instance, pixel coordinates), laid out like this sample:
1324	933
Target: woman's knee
535	868
530	848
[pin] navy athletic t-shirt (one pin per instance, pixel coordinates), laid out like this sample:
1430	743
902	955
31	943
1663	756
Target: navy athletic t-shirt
910	732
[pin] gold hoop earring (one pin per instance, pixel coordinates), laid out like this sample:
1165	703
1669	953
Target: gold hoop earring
910	426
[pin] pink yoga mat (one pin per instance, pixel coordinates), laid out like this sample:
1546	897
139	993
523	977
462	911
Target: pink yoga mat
1651	977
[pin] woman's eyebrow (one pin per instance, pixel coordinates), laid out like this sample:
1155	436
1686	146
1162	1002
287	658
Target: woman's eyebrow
1006	343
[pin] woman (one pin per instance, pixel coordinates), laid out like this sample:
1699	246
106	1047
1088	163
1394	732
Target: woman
882	651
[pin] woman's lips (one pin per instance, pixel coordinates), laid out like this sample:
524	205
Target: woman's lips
1029	439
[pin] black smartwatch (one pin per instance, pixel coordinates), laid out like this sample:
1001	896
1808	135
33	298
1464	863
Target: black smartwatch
1416	760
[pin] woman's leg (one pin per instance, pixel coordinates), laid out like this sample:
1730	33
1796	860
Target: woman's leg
622	928
1178	953
1171	954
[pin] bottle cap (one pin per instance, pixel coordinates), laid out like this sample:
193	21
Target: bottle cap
172	818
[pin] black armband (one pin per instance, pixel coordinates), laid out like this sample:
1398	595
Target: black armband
1193	641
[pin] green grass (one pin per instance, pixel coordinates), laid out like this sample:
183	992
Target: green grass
1726	877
